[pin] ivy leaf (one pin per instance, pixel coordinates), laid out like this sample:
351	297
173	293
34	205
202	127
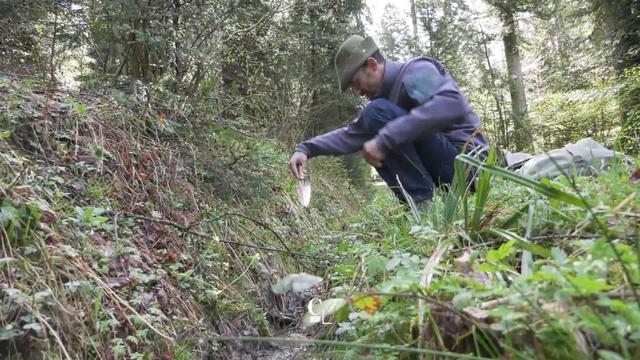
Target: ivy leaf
375	264
368	303
559	256
609	355
393	263
490	268
462	300
7	213
589	285
80	108
502	252
32	326
521	242
9	331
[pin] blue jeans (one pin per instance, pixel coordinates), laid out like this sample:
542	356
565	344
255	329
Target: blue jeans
421	165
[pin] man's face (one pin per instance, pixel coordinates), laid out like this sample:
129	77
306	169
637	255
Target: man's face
367	80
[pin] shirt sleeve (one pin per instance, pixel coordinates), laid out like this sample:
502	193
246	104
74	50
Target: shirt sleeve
439	104
343	141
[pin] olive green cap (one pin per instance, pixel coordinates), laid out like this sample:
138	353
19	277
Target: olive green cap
351	55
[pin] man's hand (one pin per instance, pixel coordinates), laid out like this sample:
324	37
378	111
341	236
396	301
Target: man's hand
372	153
298	165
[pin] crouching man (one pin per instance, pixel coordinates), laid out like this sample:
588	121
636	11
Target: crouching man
416	121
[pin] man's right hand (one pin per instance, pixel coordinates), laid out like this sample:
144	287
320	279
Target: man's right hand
298	165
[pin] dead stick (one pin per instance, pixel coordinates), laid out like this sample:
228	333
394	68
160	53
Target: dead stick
259	223
189	231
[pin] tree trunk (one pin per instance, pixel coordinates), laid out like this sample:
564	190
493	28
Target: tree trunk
52	54
177	45
414	26
497	94
428	24
521	128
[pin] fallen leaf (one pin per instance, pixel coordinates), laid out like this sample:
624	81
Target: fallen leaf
48	216
116	283
635	177
463	263
556	308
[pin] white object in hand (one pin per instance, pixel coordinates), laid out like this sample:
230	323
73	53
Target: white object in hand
304	191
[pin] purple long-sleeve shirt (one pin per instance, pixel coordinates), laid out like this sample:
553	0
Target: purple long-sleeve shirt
434	103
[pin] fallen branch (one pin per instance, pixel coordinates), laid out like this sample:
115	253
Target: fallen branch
259	223
187	229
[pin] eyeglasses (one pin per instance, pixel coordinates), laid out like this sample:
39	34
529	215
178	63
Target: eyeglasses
355	83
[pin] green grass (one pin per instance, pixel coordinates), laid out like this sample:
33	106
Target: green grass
551	271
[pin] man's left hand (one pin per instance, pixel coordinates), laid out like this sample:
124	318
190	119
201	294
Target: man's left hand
372	153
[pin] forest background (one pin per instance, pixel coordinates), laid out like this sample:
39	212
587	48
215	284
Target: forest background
176	117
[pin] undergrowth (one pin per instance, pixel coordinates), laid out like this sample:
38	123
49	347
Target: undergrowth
521	269
133	229
129	232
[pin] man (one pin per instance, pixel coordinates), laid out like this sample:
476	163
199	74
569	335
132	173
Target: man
416	122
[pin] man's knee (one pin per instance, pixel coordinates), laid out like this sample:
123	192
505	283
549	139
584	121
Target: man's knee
379	112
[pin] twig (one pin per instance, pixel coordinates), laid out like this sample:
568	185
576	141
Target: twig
55	333
259	223
425	281
386	347
505	300
189	231
15	180
576	236
565	236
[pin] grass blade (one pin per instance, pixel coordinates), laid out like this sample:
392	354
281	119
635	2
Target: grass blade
537	186
482	193
521	242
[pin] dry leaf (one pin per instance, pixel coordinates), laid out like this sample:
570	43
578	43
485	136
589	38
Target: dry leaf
476	313
463	263
635	177
556	308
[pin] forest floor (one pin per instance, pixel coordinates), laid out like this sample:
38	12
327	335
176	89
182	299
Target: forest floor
126	235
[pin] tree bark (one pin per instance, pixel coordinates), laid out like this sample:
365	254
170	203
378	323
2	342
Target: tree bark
521	128
497	95
54	37
177	45
414	26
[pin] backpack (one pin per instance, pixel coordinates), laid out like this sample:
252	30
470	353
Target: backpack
586	157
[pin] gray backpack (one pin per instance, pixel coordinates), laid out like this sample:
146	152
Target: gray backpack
584	158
